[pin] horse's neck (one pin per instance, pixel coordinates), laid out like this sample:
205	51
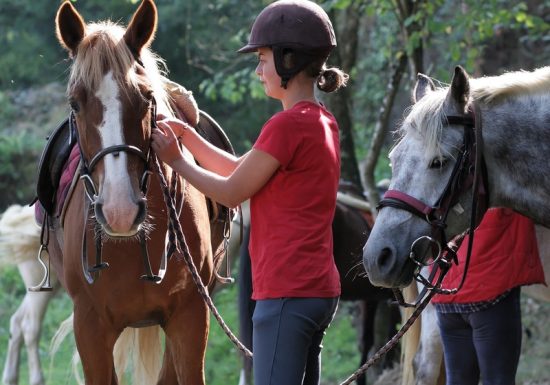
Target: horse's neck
516	138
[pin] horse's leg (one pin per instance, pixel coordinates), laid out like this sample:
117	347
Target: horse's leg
11	368
367	311
168	374
26	324
187	332
388	317
32	322
95	343
429	358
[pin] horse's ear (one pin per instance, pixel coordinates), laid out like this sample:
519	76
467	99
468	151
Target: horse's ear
141	30
69	27
424	85
460	86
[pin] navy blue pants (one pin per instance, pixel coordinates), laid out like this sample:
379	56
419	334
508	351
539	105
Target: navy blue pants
485	344
286	339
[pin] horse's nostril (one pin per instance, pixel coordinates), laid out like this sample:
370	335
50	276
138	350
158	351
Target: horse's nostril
385	259
142	212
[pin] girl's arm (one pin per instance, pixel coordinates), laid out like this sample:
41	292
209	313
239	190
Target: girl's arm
247	178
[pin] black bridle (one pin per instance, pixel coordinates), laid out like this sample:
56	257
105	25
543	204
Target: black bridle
469	172
86	169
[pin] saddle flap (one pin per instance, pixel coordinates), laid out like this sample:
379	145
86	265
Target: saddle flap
53	158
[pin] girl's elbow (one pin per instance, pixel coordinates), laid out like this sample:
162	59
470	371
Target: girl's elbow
233	203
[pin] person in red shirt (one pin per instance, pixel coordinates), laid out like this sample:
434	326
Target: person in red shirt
291	177
481	324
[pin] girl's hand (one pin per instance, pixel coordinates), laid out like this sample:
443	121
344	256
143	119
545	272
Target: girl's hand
179	127
165	144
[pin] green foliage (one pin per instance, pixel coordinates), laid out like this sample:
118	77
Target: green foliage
18	158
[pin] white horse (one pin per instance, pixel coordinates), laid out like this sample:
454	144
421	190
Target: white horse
19	245
513	122
514	127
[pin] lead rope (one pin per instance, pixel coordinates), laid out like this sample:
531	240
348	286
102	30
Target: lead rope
182	244
392	342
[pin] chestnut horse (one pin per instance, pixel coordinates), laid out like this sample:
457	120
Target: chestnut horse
114	90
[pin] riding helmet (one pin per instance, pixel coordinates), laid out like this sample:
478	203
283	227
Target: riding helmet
298	26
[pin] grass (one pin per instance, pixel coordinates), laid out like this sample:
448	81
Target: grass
222	358
340	355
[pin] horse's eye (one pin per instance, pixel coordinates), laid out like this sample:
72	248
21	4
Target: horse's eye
74	105
438	163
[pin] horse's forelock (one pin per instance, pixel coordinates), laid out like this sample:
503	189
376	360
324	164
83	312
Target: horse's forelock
104	48
425	119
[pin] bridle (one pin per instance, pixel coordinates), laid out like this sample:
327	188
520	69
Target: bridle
91	191
469	172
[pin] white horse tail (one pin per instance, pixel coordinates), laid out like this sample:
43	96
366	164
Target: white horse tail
143	347
19	235
411	340
66	328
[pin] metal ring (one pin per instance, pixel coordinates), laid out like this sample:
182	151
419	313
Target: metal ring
420	263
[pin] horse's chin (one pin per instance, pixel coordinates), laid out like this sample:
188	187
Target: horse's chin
397	279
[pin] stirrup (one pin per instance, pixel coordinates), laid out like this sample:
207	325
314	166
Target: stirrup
45	284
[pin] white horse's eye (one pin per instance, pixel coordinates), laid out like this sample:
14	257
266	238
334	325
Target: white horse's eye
438	162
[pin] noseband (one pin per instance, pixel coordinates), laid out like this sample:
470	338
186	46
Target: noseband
469	172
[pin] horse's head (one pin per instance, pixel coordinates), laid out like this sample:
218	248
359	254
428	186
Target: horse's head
408	229
112	82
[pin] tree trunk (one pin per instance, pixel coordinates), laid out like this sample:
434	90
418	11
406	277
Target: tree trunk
346	23
381	129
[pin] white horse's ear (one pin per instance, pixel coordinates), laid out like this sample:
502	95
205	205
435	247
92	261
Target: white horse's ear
141	30
424	85
69	27
460	86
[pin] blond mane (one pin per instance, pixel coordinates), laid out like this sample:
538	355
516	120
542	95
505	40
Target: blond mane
104	47
492	89
427	116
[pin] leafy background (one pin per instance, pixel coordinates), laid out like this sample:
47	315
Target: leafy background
198	40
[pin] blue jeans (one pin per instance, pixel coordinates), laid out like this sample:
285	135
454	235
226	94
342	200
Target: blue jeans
287	337
485	344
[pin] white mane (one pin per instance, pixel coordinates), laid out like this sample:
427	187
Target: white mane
427	116
492	88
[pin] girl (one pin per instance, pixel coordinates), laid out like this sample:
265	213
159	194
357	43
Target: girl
291	177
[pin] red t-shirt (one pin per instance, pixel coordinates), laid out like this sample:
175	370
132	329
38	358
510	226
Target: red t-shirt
291	216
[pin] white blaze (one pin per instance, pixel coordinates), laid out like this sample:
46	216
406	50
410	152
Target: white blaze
119	207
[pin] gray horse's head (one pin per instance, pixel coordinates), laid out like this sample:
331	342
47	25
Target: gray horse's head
422	163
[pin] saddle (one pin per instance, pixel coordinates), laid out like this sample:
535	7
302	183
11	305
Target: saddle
52	161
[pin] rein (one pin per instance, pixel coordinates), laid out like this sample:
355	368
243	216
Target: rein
469	172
